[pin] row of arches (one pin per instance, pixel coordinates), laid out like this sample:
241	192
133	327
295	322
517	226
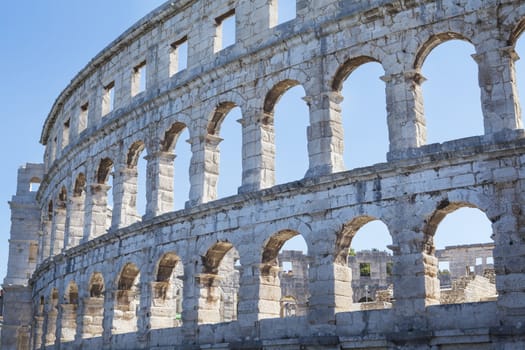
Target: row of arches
170	290
156	186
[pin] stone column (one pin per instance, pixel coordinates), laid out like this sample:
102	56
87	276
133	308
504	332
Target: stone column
92	317
45	247
159	184
414	273
51	324
208	307
248	310
125	198
204	169
109	313
38	331
190	303
499	94
68	322
75	225
258	151
325	134
58	228
330	287
96	219
405	113
269	292
329	276
81	312
509	261
144	309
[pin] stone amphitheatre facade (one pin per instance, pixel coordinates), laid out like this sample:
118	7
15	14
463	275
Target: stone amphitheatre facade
83	276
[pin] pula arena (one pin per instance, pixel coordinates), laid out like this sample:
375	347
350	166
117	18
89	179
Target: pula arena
83	276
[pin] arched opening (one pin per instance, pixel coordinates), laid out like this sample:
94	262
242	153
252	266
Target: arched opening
134	185
284	275
127	299
102	198
459	235
166	308
451	91
225	143
52	315
289	115
69	313
76	221
518	71
363	253
219	284
363	112
175	144
94	308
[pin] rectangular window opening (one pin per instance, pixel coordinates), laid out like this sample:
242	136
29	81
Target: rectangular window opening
364	269
65	134
389	267
108	99
33	252
179	56
287	266
225	31
282	11
490	260
479	261
444	267
82	118
138	80
34	186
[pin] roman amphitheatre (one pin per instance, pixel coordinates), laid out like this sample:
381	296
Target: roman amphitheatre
86	270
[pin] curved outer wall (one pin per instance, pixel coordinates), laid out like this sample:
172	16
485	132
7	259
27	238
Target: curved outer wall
96	269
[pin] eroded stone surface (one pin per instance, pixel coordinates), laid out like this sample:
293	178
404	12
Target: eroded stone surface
126	267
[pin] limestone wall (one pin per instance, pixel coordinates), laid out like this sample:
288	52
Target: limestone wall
110	269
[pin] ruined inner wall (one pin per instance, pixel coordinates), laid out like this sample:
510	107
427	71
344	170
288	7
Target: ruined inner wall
105	268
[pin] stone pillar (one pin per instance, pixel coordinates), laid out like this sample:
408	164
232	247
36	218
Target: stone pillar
325	134
329	277
330	287
109	314
38	331
51	324
125	198
204	169
159	184
509	260
43	241
414	274
75	222
208	307
258	151
58	228
144	310
499	94
247	312
269	292
93	317
68	321
405	113
190	302
96	219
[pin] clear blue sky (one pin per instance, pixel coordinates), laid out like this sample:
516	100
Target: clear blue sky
45	43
